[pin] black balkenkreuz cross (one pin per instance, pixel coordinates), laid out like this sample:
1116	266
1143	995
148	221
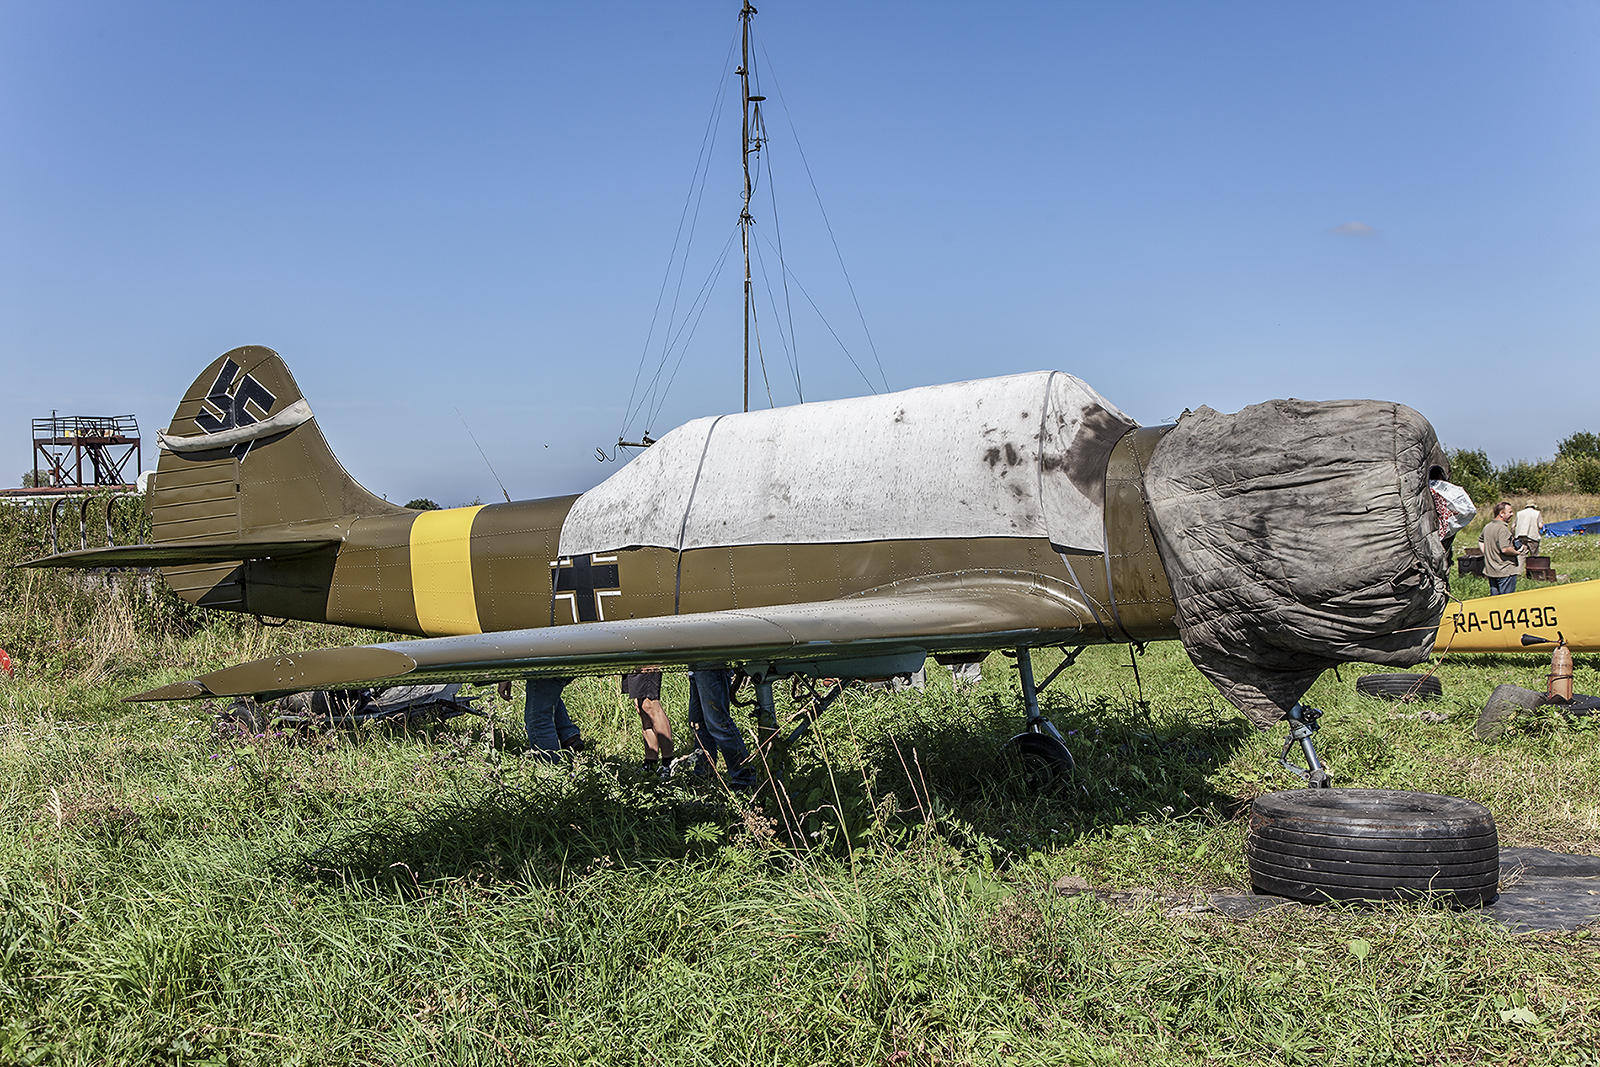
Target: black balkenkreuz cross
583	582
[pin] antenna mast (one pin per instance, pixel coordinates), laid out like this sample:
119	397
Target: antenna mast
754	135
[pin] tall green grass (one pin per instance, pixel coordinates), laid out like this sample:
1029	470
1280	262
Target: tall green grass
174	894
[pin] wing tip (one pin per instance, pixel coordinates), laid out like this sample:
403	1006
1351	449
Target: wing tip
192	689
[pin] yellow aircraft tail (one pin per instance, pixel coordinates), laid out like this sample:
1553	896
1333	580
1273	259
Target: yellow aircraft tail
1499	623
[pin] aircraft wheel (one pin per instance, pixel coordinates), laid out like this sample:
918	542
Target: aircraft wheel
243	717
1318	845
1046	763
1402	687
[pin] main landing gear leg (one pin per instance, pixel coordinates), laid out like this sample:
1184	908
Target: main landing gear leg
766	717
1302	724
766	712
1044	755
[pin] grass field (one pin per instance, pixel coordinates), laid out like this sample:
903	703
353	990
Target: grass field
170	895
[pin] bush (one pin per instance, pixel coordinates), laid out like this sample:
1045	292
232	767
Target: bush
88	621
1472	471
1574	474
1523	477
1581	443
1470	464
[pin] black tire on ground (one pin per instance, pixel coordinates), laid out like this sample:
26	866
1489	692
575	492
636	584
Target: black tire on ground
1373	844
1400	686
1046	763
1581	704
1503	707
244	717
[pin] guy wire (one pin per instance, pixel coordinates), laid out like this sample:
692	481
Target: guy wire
485	456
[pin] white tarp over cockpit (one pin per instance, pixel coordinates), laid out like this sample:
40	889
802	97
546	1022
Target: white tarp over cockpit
1020	456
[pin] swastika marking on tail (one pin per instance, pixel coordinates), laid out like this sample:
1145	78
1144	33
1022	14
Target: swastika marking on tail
228	403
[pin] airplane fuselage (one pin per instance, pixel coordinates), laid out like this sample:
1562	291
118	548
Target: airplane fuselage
497	567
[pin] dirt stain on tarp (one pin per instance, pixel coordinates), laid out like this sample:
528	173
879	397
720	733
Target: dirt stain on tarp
1083	462
1009	455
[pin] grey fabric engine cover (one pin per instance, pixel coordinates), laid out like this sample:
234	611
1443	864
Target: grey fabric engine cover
1298	535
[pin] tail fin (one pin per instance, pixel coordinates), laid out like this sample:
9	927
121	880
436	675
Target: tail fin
246	494
244	454
243	462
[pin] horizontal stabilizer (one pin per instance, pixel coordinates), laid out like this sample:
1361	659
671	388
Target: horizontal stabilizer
180	553
323	668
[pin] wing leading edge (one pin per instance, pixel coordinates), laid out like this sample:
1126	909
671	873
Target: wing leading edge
851	637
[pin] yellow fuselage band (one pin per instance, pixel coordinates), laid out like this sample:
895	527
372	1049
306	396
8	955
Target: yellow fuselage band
441	572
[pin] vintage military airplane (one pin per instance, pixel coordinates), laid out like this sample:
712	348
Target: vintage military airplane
850	538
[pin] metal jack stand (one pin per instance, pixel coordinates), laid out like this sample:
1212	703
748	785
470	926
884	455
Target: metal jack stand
1045	759
820	702
1302	724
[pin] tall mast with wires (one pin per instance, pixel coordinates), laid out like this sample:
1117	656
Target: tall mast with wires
754	134
680	322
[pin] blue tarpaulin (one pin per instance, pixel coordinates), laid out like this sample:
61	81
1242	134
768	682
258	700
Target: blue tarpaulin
1572	526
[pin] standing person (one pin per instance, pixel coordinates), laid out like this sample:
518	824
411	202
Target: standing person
701	747
1501	559
713	730
644	689
1455	508
1529	530
550	728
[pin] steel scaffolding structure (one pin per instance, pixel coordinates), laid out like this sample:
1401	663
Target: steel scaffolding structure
63	445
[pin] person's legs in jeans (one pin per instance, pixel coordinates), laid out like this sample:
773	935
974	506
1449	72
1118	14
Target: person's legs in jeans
566	729
701	744
1502	586
550	728
712	689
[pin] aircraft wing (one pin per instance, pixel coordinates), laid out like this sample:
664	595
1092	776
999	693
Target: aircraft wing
884	631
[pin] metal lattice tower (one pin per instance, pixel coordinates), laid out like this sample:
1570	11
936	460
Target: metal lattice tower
65	445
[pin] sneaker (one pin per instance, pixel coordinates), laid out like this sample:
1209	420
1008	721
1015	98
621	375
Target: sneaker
682	765
574	743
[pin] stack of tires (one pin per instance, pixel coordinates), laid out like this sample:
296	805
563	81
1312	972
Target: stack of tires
1373	844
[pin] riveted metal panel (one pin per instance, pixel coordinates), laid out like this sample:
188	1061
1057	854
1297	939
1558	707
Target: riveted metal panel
512	546
441	571
1142	597
293	588
212	585
195	498
717	579
372	576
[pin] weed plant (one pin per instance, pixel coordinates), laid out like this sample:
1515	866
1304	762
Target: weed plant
174	893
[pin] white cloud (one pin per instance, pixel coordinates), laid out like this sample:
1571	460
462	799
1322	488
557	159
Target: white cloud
1354	229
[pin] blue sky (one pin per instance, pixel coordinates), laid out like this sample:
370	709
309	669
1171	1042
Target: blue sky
426	207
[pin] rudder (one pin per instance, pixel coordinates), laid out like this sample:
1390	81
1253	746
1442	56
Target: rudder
243	455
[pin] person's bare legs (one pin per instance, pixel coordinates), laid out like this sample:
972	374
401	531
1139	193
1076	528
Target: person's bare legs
657	731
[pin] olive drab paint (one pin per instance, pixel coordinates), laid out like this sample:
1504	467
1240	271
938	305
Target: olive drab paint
251	512
334	552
